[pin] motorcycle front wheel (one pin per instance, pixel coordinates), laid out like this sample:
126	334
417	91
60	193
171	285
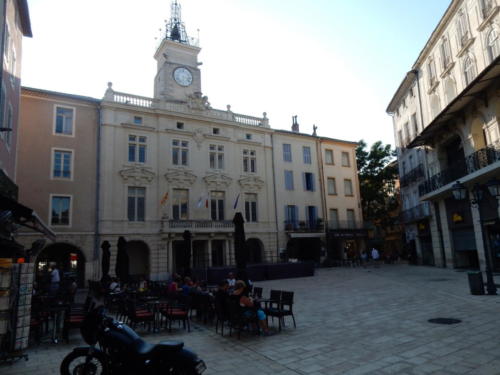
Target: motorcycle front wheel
77	363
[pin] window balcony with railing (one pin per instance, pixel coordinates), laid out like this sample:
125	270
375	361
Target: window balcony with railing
413	175
199	225
317	225
345	224
460	168
419	212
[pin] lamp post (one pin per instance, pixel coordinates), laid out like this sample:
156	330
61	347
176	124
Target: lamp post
460	193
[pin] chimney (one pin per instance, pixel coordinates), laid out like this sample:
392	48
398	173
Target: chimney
295	124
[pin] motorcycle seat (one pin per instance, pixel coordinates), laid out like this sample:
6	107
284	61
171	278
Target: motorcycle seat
145	349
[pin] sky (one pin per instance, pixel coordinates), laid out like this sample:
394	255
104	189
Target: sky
333	63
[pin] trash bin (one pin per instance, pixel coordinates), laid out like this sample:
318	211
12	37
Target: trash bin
476	284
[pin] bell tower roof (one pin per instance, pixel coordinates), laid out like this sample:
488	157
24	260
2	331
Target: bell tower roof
175	28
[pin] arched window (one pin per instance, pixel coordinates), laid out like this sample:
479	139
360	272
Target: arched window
435	105
492	44
469	69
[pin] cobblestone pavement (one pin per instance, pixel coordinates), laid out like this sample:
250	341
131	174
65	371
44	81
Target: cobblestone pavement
349	321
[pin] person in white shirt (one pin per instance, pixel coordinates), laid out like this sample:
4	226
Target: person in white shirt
55	279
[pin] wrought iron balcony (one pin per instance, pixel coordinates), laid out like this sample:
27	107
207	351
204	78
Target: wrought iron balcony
346	224
200	225
419	212
317	225
412	176
462	167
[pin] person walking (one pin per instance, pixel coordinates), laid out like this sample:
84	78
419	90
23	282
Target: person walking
375	256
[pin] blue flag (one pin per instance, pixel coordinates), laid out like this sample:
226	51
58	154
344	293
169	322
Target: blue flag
236	202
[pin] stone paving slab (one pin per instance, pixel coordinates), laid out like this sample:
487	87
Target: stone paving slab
350	321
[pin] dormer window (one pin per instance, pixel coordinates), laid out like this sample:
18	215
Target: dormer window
137	120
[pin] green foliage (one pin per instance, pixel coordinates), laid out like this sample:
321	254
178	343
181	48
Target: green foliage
377	174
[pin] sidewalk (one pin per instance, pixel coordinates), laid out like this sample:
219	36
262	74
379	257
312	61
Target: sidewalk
349	321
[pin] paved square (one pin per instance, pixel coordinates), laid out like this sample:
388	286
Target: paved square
349	321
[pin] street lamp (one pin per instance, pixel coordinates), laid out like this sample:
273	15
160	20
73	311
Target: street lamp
459	192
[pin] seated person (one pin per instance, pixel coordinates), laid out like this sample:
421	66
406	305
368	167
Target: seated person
143	285
249	309
231	280
114	286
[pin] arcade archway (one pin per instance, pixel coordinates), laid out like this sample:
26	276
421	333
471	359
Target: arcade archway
67	257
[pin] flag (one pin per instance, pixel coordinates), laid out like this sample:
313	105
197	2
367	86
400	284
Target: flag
164	199
200	202
206	203
236	202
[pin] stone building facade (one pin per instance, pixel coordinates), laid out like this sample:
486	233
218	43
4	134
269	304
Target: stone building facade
445	116
171	163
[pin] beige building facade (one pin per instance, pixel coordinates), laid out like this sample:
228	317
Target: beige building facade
445	116
56	170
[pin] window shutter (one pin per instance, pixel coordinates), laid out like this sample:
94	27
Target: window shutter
313	182
304	180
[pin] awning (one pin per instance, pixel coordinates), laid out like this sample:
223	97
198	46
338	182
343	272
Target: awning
25	216
475	90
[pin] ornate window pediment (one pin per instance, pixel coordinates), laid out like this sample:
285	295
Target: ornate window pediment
137	175
217	181
180	178
251	183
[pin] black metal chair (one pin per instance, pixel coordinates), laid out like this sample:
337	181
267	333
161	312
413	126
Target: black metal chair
281	309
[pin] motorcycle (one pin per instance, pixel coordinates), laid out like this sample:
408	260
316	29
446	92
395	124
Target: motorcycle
115	348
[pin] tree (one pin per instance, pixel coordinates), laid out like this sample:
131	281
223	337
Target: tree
377	174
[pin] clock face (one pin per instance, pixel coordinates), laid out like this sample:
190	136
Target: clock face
183	76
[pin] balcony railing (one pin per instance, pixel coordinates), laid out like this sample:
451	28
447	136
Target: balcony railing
317	225
345	224
145	102
204	225
412	176
470	164
422	211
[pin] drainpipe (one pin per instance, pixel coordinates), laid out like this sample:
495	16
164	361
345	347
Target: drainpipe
275	200
97	192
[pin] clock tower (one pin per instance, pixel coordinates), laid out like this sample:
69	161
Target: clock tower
178	75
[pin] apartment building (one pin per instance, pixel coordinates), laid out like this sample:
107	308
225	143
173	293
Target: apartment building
445	115
56	173
14	17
